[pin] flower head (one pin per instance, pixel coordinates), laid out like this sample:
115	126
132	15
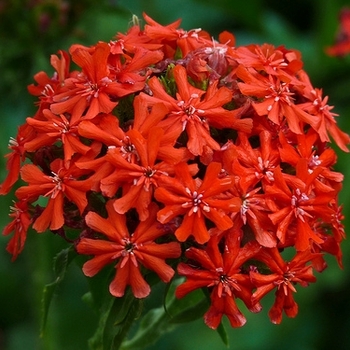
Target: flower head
127	250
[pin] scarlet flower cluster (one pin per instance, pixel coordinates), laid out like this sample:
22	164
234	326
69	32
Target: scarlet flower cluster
171	152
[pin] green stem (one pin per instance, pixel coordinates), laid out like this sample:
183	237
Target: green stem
40	270
154	324
127	324
152	332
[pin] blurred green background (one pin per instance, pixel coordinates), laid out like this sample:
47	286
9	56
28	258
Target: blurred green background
31	30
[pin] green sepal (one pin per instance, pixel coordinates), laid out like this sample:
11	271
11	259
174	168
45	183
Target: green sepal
61	262
223	334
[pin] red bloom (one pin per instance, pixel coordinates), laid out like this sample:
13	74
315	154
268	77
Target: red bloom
54	129
174	38
195	110
19	226
326	124
47	87
253	216
127	250
140	179
196	200
88	90
254	165
16	156
283	277
277	95
297	200
62	183
303	147
222	272
132	40
274	61
101	82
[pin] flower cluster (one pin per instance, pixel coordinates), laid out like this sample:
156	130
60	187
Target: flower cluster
171	152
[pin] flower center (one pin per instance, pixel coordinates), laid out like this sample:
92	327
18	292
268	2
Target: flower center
226	283
128	252
57	188
196	202
128	150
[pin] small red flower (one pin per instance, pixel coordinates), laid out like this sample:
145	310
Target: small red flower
172	37
296	202
283	277
195	111
60	184
196	200
139	179
222	273
19	226
128	250
52	129
326	123
277	99
16	156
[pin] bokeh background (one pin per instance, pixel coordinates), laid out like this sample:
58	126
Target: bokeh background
30	31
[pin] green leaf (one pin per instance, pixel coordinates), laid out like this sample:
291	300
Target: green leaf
159	321
188	308
61	263
98	286
116	317
191	313
154	324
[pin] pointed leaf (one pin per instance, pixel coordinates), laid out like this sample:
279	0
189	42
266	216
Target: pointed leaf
61	262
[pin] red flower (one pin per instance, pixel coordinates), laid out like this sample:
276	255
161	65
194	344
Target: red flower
253	216
297	200
174	38
89	90
277	95
222	273
139	179
195	110
253	165
303	147
61	183
132	40
19	226
196	200
47	87
274	61
283	277
127	250
326	124
54	129
101	82
16	156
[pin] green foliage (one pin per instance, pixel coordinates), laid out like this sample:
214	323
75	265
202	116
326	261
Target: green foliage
61	262
158	321
116	317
